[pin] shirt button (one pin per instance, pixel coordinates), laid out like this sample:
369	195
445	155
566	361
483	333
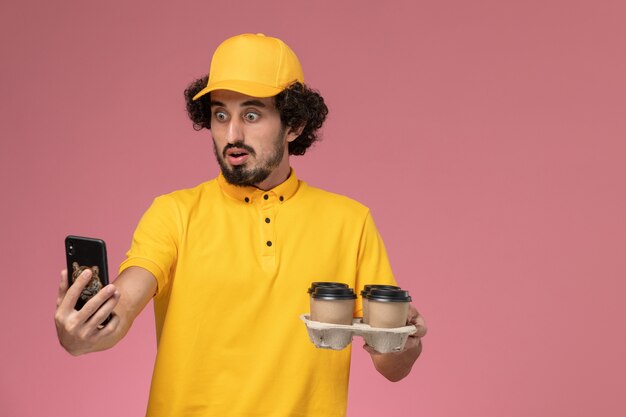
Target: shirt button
269	243
266	196
281	198
247	200
267	220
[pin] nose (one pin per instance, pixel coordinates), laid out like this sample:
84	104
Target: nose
234	131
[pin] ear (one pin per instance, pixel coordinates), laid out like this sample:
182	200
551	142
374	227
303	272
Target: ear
75	266
292	134
95	269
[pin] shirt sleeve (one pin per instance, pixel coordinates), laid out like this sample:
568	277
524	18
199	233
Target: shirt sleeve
155	241
372	263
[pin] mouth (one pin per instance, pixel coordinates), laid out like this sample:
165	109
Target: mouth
236	156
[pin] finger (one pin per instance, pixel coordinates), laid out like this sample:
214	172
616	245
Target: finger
96	302
62	287
105	331
73	292
105	310
371	350
412	342
420	331
412	314
418	321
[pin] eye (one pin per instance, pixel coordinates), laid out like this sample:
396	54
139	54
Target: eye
220	116
251	116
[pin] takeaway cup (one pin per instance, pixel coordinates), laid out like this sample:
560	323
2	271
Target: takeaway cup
333	305
388	308
314	285
366	291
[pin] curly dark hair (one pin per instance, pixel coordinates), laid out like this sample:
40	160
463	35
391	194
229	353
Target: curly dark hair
298	105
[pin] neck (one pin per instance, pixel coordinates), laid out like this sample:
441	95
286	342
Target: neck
277	177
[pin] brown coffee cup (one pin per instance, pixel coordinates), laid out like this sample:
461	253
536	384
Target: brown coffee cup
365	291
388	308
316	284
333	305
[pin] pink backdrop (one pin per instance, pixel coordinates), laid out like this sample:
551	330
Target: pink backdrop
488	138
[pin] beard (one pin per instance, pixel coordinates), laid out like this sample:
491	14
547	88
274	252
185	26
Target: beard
242	175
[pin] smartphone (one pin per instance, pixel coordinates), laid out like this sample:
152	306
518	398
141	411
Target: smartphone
87	253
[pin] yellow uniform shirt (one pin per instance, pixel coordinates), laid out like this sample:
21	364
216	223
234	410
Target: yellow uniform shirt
233	266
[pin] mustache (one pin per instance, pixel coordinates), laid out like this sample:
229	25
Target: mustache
238	145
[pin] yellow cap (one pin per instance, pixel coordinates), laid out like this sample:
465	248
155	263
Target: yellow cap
255	65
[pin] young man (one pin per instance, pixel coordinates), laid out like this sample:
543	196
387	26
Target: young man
229	261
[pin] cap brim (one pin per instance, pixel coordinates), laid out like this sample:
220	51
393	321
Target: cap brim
243	87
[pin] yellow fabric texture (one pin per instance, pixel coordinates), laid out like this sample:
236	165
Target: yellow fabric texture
230	341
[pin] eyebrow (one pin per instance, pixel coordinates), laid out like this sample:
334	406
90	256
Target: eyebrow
257	103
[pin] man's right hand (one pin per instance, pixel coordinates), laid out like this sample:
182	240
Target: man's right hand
80	331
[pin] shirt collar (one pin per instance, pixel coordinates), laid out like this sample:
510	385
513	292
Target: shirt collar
248	194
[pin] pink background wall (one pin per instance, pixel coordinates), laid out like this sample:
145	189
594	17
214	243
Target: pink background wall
488	138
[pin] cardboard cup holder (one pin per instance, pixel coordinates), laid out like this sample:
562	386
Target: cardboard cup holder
338	336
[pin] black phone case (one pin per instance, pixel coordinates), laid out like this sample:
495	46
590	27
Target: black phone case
82	253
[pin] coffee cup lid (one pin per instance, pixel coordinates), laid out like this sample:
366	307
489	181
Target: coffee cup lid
389	295
334	293
369	287
314	285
